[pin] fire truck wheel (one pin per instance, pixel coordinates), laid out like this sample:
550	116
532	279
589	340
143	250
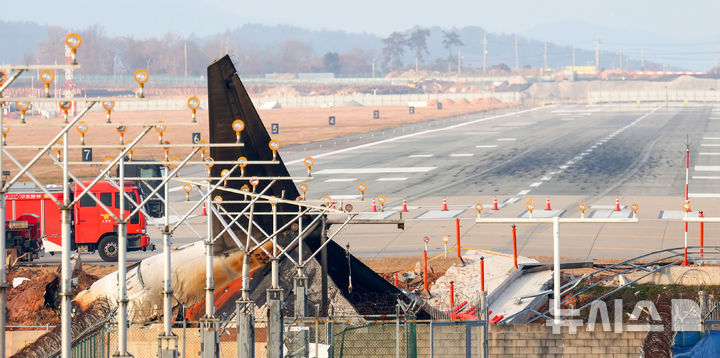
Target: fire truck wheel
108	248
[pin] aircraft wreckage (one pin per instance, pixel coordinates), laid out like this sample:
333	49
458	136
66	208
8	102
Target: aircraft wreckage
329	274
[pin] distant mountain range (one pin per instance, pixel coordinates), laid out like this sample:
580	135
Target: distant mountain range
18	39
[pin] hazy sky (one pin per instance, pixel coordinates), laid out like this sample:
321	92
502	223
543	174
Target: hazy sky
677	20
684	32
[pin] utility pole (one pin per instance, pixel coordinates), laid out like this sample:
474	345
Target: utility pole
545	66
485	52
597	55
621	61
715	69
573	58
459	64
373	67
642	59
517	57
186	60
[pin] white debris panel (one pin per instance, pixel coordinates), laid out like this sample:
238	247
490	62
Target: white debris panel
498	268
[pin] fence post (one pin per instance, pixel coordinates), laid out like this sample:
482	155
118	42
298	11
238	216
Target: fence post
397	331
514	235
457	235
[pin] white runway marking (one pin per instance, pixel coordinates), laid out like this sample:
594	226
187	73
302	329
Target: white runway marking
711	138
709	145
461	155
375	170
704	195
339	180
506	139
392	179
390	140
542	213
536	184
707	168
439	214
545	178
708	153
611	214
523	192
174	189
420	155
709	177
676	214
345	197
563	167
486	146
512	200
379	216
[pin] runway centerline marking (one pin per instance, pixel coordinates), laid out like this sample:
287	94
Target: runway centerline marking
390	140
523	192
707	168
506	139
374	170
486	146
392	179
709	153
536	184
461	155
337	180
420	156
706	177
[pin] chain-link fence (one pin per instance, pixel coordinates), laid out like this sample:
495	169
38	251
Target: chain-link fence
308	338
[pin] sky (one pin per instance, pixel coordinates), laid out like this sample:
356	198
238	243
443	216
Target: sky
670	28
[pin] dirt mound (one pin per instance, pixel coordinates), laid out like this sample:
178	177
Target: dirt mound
462	101
486	101
28	304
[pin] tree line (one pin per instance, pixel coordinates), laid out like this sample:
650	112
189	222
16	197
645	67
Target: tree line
396	43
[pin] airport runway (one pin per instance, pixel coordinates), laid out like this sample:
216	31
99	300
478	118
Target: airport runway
574	153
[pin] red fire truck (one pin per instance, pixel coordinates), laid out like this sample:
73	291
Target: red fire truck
93	229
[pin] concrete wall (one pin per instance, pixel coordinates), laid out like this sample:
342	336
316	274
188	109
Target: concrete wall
539	341
504	341
670	95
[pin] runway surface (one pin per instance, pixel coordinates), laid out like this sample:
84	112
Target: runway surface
573	153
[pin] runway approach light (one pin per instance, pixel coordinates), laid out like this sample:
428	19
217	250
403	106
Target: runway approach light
166	149
3	77
22	107
223	174
426	240
349	207
530	206
217	199
327	200
274	145
478	208
82	128
362	187
309	161
141	76
108	161
65	106
5	131
203	148
634	207
238	125
582	207
108	105
193	103
47	76
686	206
242	163
303	189
445	241
58	148
73	41
121	130
209	162
254	181
382	200
160	128
129	151
187	187
174	163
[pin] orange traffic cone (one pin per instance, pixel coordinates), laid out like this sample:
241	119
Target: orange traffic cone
444	205
495	206
404	206
374	207
617	204
547	203
204	211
